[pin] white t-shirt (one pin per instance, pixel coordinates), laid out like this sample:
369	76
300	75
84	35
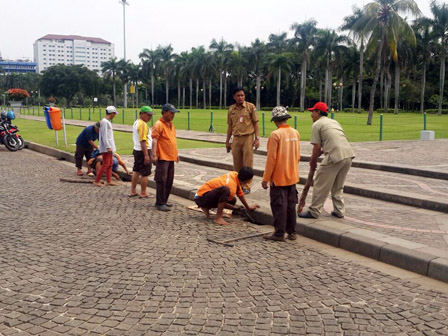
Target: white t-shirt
140	132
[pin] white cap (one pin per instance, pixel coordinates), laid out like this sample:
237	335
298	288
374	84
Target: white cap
111	109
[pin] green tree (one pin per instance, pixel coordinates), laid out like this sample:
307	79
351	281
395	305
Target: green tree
110	68
166	57
305	35
221	50
440	31
257	60
386	28
61	81
151	63
279	63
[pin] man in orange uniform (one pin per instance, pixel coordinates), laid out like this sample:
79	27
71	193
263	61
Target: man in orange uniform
220	193
242	123
164	154
282	175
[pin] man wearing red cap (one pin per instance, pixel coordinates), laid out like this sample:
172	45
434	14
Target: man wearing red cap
328	137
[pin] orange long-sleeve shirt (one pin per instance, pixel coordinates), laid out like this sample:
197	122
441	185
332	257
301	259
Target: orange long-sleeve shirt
283	157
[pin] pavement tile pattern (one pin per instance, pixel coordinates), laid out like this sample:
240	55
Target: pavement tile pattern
80	260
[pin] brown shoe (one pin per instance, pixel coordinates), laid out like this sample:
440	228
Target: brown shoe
292	236
271	236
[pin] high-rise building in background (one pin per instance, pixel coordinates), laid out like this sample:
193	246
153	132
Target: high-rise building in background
72	50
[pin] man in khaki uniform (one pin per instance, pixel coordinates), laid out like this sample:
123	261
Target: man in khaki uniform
328	137
242	123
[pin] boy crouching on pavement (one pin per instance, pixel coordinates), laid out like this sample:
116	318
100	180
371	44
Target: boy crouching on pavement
220	192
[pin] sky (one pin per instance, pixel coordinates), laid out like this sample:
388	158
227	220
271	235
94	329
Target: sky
149	23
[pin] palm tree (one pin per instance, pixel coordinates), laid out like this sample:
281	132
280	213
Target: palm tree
110	68
355	23
237	65
278	43
166	57
386	28
328	44
123	72
151	63
197	60
221	48
279	63
256	58
440	29
425	47
135	75
304	35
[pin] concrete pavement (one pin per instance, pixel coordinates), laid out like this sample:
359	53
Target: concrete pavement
80	260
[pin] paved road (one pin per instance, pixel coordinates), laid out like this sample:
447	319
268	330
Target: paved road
80	260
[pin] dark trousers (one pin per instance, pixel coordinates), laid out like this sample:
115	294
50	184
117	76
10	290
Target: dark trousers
80	153
212	198
164	178
283	206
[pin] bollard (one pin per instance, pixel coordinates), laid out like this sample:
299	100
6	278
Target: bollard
188	120
262	119
135	114
295	122
122	116
100	114
80	115
33	109
211	128
424	121
332	115
71	110
93	112
381	127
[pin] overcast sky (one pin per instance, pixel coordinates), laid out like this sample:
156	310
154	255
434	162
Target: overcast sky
149	23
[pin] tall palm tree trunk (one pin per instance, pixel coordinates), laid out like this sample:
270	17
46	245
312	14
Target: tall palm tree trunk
210	93
279	82
114	89
197	93
152	89
225	90
136	95
183	97
167	89
442	76
320	90
422	93
397	86
125	95
353	94
375	79
303	85
326	87
178	93
258	84
191	93
361	73
220	89
204	93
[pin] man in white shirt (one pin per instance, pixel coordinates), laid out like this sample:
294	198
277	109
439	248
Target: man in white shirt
106	147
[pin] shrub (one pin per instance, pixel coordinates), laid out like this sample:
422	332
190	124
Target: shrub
16	94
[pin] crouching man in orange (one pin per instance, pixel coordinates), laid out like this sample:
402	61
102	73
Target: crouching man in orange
220	193
282	174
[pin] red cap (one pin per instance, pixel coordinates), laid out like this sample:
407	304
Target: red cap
319	106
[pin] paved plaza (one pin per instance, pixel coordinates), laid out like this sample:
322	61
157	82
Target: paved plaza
81	260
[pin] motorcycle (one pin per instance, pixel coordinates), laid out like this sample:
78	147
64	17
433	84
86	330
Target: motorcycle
9	133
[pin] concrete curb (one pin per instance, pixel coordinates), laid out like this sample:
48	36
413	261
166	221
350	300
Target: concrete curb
399	169
378	193
404	254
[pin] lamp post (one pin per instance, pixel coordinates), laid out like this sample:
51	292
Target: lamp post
125	87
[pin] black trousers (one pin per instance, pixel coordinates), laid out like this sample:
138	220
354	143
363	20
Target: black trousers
283	206
212	198
80	153
164	178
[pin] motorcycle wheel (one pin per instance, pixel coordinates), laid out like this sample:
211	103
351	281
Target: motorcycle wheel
11	143
20	142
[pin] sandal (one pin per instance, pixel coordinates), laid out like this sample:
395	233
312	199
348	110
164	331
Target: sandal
146	196
132	195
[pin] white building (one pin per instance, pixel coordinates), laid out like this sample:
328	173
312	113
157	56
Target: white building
72	50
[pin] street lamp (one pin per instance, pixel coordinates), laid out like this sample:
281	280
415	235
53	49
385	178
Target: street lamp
125	89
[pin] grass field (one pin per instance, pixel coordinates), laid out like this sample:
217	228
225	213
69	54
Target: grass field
403	126
37	131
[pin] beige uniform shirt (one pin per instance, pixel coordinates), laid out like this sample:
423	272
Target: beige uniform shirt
241	119
329	134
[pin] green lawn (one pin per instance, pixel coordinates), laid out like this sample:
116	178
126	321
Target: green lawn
404	126
37	131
